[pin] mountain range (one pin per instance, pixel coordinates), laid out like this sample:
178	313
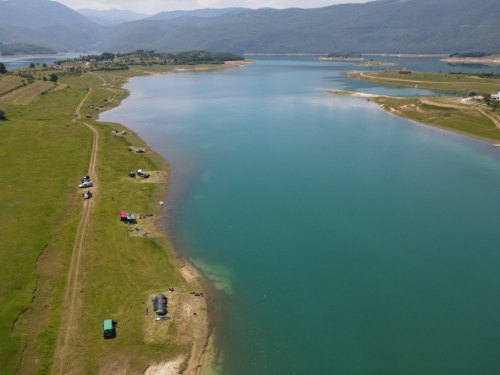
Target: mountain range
112	17
382	26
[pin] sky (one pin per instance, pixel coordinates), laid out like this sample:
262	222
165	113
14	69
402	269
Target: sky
156	6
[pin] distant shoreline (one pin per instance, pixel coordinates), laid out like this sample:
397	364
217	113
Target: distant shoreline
36	55
473	60
324	58
406	55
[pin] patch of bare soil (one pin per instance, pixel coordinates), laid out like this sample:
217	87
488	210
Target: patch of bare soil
165	368
188	313
238	63
146	227
155	177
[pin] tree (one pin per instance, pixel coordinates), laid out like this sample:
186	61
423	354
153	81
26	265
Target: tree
44	65
2	113
3	69
32	65
53	77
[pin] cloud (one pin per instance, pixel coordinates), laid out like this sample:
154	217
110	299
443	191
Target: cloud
156	6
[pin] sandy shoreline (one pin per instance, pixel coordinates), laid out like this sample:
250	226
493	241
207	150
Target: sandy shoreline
202	360
404	55
357	94
472	60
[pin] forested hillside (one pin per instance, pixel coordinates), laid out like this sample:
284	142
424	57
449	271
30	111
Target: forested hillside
383	26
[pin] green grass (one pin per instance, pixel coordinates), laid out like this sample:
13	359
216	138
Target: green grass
457	83
460	119
121	271
43	156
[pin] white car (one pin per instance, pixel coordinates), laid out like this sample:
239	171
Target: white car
86	184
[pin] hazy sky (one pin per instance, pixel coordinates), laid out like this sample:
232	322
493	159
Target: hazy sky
156	6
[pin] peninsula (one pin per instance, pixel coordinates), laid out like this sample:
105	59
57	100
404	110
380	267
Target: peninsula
473	109
484	58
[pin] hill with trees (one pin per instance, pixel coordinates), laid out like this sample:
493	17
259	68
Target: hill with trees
24	49
207	12
382	26
46	23
112	17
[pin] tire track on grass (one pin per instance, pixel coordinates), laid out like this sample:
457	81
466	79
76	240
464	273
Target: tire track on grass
71	292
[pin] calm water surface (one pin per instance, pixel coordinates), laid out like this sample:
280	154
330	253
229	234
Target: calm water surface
25	61
343	239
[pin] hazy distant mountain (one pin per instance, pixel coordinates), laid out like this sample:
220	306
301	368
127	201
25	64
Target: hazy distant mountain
112	17
207	12
34	14
383	26
46	23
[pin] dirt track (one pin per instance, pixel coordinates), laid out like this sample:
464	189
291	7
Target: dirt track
377	77
73	272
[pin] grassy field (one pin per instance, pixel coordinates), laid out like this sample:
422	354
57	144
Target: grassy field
460	84
467	117
446	113
44	154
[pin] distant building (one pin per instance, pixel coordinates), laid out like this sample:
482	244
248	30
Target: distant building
495	96
93	61
55	67
70	68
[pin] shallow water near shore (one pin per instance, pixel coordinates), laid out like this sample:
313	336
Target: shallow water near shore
342	239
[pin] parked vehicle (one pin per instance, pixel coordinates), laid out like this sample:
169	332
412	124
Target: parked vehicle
160	304
87	194
131	174
109	329
86	184
143	174
85	178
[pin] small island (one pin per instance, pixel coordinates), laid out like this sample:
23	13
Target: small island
342	57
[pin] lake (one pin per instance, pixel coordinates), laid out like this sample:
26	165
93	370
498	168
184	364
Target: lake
341	238
25	61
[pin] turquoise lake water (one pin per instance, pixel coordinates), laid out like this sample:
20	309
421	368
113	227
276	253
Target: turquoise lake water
342	239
